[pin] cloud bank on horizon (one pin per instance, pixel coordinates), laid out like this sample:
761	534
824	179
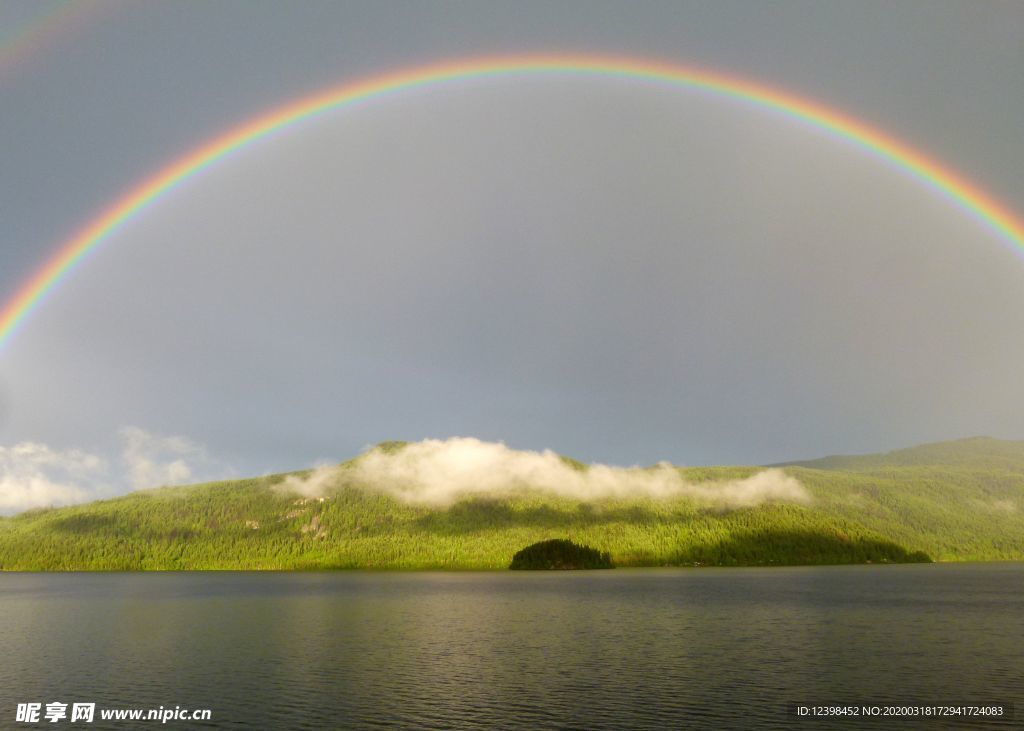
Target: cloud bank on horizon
35	475
431	472
441	472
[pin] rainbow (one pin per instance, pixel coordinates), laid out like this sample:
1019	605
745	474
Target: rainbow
42	31
929	172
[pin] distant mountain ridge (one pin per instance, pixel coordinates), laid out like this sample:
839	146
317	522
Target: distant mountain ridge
981	452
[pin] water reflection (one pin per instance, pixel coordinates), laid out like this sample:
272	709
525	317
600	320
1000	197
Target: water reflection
623	648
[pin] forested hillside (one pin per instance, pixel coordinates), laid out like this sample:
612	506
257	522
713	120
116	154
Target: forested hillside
955	501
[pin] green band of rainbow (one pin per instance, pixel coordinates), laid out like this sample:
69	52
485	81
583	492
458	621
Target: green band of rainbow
955	188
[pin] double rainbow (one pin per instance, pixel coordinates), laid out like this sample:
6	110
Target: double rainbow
957	190
42	32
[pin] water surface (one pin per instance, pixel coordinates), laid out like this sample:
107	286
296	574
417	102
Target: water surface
716	648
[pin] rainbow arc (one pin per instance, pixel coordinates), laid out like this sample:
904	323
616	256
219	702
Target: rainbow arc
957	190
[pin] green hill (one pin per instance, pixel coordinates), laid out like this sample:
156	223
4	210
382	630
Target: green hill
954	501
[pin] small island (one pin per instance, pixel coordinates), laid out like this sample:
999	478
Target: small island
560	554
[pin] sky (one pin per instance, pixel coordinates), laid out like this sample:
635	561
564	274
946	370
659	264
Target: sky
614	270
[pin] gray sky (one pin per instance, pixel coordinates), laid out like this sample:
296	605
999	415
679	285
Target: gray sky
612	270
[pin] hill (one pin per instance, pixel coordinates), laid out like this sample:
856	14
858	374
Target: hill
983	453
954	501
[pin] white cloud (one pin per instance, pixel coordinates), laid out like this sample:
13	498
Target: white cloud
431	472
439	472
151	460
316	483
34	475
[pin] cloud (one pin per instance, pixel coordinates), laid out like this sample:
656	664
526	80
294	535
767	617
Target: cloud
436	472
152	461
317	483
34	475
431	472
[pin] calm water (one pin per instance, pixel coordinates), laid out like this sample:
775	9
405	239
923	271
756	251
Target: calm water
695	648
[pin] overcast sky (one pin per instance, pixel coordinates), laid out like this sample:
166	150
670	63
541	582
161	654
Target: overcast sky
614	270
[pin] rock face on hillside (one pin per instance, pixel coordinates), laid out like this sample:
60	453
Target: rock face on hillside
559	554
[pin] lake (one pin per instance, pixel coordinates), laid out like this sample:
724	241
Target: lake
628	648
